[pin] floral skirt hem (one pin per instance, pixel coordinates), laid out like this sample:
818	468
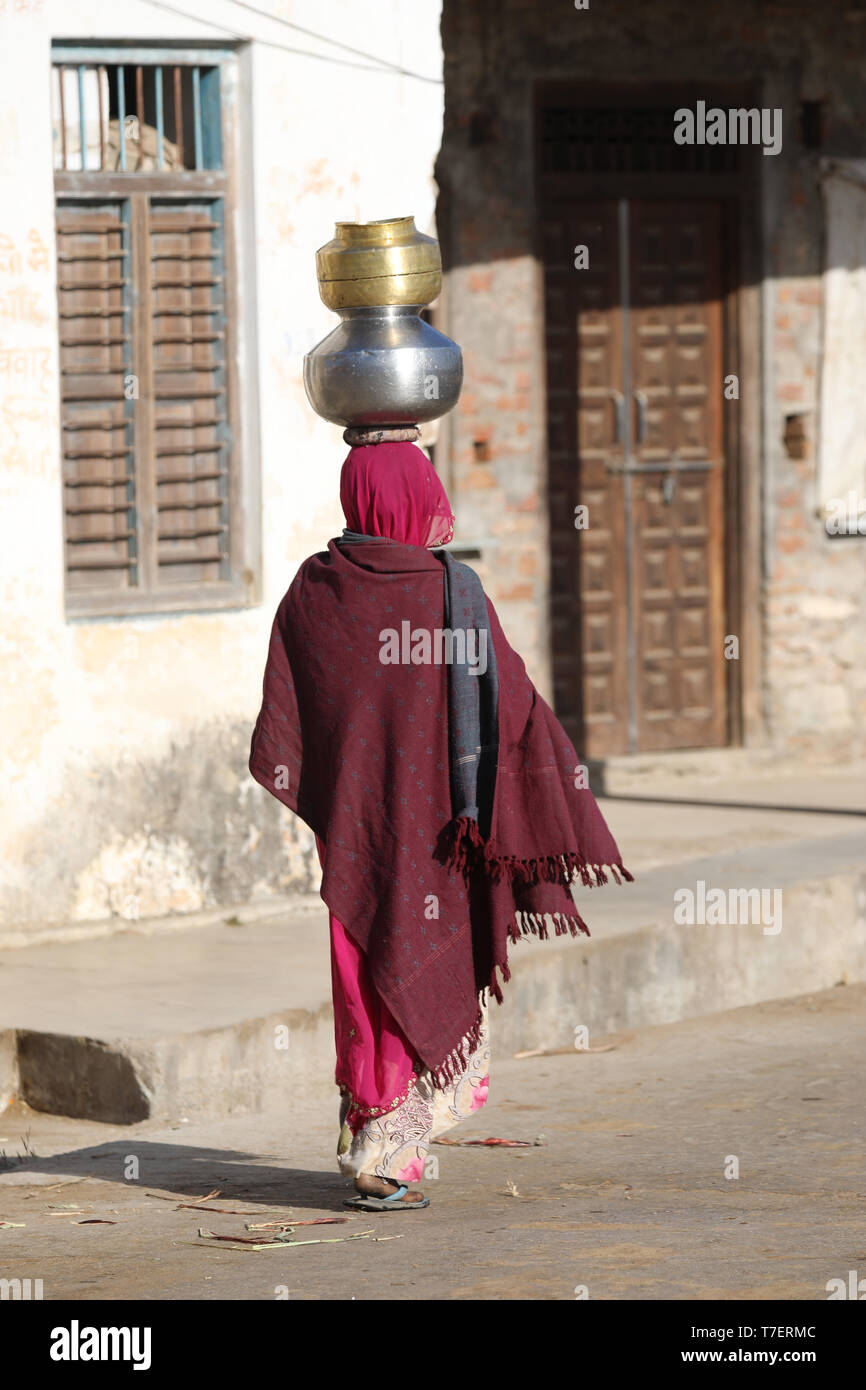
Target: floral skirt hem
396	1145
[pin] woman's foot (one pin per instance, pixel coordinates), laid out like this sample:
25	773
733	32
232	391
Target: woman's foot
368	1185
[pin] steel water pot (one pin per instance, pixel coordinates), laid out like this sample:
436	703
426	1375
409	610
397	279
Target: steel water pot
383	364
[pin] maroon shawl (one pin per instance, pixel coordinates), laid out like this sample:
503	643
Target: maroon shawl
359	750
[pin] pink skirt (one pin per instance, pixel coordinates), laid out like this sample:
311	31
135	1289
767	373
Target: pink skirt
390	1111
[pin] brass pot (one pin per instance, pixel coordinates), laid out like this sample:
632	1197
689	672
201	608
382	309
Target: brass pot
377	263
383	365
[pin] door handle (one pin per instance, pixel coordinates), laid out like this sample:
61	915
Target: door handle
641	400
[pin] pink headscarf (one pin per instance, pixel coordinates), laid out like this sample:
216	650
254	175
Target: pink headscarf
393	490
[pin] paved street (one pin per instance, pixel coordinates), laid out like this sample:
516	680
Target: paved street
626	1198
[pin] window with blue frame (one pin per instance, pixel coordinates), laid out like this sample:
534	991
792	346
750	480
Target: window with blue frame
149	398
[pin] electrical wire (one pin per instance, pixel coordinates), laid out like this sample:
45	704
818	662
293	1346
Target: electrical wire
347	48
383	65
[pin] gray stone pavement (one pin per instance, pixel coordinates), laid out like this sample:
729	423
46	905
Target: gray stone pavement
627	1197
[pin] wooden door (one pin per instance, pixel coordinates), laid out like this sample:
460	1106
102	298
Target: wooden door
634	353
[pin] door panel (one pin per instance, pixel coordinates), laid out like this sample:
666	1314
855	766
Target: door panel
675	327
637	601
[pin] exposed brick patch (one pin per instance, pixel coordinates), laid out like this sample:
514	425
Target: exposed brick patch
512	591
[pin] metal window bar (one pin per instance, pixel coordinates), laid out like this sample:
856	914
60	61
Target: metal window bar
121	115
178	113
100	73
61	73
157	87
196	113
81	121
203	91
139	110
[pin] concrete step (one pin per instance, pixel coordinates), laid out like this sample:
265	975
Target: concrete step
642	967
41	932
734	775
214	1022
198	1023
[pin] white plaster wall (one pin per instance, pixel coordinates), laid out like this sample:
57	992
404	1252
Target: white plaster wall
329	142
842	416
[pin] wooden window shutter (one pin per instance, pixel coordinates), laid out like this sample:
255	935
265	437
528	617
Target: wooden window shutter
149	395
98	422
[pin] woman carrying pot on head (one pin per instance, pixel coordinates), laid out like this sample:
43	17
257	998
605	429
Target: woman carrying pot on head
399	724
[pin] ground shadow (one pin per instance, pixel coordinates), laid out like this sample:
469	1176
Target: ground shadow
190	1172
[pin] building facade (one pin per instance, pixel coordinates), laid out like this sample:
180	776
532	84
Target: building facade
166	180
653	220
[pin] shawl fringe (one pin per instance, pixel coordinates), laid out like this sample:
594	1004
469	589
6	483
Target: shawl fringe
462	849
452	1068
525	924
